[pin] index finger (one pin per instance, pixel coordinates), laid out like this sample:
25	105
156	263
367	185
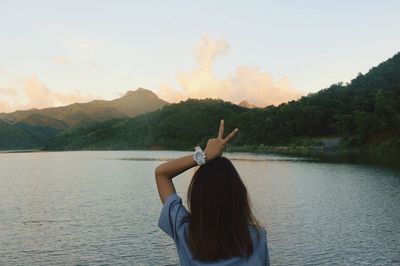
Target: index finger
221	129
231	135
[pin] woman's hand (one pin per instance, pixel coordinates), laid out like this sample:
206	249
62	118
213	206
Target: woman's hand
215	147
168	170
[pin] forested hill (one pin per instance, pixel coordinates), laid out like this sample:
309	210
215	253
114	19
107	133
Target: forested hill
175	126
365	113
131	104
32	129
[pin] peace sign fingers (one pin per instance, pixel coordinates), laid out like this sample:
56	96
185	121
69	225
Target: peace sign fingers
221	129
231	136
215	147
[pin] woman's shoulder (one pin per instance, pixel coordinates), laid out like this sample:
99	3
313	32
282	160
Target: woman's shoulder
259	238
257	229
258	233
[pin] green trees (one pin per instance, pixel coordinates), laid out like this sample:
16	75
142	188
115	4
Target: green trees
365	113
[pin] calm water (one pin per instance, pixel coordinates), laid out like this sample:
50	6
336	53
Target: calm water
92	208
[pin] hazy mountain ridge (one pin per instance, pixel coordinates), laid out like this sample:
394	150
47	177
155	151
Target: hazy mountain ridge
36	126
131	104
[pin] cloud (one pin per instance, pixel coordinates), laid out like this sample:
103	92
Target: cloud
8	91
40	96
4	107
80	44
32	93
207	50
246	83
93	65
61	60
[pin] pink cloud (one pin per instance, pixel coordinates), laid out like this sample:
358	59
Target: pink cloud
8	91
247	83
4	107
32	93
61	60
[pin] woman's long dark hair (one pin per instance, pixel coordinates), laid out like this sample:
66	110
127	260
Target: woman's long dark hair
220	213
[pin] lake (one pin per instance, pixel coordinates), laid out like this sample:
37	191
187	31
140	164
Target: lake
96	208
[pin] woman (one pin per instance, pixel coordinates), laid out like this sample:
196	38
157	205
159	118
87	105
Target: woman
220	228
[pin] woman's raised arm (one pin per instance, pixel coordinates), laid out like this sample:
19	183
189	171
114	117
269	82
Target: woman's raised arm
168	170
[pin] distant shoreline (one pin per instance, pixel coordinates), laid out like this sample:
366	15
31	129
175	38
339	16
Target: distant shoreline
349	156
19	151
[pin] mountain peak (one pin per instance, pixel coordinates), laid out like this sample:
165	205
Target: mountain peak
246	104
133	103
139	91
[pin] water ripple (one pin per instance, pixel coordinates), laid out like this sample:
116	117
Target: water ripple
102	208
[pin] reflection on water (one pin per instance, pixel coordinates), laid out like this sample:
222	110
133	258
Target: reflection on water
102	208
234	157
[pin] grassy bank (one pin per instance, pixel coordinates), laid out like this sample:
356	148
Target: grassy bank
385	153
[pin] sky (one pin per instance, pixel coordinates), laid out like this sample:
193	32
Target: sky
266	52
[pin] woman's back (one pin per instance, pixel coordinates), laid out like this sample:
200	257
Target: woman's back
219	228
174	223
